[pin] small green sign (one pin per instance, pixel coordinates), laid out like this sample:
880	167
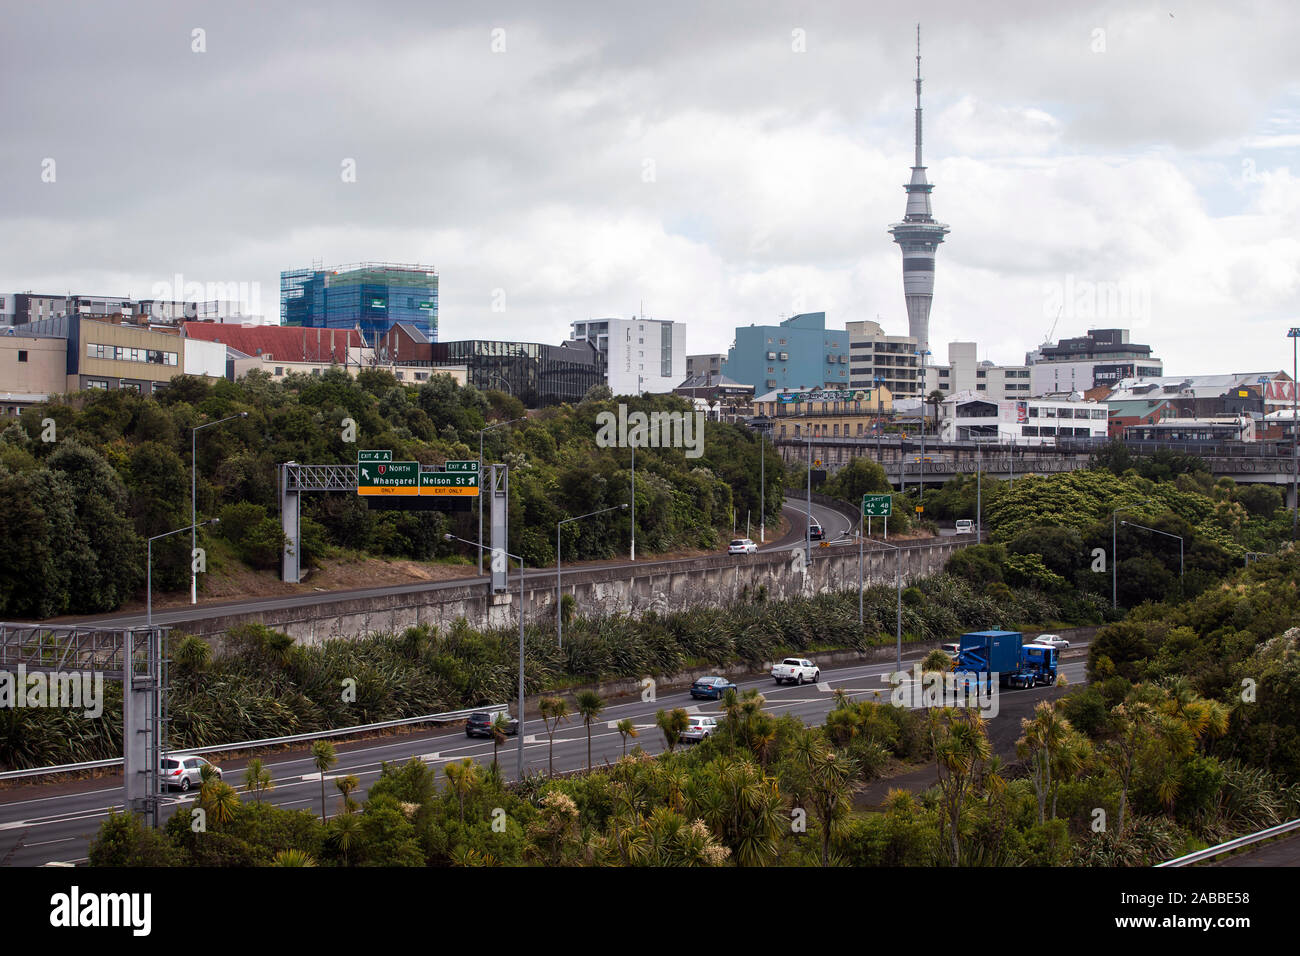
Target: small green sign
388	474
461	466
374	456
877	506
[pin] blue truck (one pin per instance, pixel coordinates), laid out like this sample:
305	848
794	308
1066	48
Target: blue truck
982	654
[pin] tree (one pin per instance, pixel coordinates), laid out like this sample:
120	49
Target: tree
589	707
462	777
673	724
323	757
499	729
935	399
346	784
257	778
293	857
554	711
961	748
1043	738
627	729
1131	722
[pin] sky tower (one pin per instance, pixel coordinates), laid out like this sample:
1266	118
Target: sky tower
918	235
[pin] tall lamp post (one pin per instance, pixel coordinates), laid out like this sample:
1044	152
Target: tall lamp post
520	708
1167	534
194	497
898	578
1114	556
762	486
808	525
148	606
559	594
480	487
1294	336
921	471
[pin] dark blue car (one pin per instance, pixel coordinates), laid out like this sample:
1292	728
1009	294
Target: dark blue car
711	688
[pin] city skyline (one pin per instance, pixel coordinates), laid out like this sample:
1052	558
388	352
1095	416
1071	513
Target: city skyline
587	165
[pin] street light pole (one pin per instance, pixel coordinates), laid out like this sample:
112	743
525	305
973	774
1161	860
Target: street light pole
148	597
1167	534
194	497
480	485
898	580
921	471
559	594
1294	336
979	510
520	709
808	524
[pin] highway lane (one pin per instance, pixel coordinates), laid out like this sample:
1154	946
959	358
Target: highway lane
794	513
36	828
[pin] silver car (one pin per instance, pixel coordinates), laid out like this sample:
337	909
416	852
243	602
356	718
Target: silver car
1052	640
698	729
183	772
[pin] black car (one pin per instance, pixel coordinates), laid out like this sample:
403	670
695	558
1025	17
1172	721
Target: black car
711	688
480	724
815	532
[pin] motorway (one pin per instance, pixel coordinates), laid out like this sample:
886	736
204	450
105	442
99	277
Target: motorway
43	823
831	520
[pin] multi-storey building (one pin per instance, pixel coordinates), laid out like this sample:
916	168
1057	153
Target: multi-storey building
837	413
369	296
710	364
970	416
534	373
640	355
798	353
1102	357
879	359
964	373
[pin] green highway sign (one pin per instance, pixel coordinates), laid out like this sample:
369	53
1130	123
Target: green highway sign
378	476
448	483
388	477
877	506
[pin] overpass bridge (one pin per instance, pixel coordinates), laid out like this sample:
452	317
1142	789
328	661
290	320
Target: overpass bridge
1272	463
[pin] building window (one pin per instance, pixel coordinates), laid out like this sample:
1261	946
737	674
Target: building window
97	383
22	355
279	370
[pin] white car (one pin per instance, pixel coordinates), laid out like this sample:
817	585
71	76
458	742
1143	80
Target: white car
742	546
1052	640
182	771
699	728
965	526
796	670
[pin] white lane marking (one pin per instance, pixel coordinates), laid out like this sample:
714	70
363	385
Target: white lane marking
51	842
824	687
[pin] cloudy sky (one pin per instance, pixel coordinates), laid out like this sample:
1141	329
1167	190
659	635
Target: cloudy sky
723	163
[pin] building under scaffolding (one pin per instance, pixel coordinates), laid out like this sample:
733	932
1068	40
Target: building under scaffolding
370	296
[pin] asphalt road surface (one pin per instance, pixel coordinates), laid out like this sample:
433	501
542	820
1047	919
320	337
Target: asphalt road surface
830	519
43	823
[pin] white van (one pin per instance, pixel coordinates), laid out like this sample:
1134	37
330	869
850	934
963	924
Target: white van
965	526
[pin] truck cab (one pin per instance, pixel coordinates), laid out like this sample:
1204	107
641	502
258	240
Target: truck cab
1038	664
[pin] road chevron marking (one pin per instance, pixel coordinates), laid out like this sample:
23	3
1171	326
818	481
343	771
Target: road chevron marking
824	687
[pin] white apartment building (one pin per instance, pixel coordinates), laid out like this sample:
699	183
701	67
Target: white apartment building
970	416
879	359
641	355
964	373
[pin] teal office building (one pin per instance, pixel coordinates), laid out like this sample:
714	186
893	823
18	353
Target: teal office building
798	353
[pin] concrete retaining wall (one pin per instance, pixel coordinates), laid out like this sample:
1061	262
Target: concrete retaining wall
665	586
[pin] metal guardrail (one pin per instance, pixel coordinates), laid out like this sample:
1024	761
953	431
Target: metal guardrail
1211	852
265	742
